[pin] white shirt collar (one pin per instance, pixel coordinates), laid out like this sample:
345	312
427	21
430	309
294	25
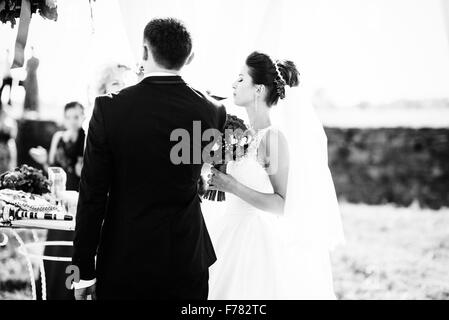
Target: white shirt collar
160	74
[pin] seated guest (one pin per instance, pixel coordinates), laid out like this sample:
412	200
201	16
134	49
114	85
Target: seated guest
66	151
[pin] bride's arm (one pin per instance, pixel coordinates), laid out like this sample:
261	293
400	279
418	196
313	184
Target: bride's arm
275	151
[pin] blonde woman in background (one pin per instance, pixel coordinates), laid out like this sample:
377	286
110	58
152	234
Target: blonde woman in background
112	77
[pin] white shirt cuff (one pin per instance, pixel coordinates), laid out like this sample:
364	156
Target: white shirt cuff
83	284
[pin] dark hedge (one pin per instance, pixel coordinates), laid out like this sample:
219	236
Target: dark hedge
390	165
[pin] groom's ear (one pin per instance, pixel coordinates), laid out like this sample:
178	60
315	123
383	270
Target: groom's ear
190	58
145	53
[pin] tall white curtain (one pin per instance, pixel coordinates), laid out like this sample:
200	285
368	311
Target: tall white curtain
71	51
445	9
356	50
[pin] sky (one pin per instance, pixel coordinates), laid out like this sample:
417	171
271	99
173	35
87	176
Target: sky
352	50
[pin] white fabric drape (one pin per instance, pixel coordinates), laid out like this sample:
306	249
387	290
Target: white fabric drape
445	11
338	45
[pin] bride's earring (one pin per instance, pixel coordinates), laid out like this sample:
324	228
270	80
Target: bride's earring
256	101
257	93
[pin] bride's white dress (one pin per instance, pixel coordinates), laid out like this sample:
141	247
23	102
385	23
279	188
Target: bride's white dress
250	258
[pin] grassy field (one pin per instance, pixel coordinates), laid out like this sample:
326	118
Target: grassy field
391	253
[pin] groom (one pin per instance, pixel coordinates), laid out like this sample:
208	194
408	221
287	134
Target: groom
140	233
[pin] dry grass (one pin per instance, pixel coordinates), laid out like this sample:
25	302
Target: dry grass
391	253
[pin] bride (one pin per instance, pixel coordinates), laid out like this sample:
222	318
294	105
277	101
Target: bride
281	214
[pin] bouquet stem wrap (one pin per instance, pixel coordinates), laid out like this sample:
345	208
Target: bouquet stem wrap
215	195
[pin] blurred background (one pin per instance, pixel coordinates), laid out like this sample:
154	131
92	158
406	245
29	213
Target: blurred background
377	73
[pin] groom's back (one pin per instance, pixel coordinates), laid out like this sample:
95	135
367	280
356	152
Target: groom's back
153	203
138	212
140	121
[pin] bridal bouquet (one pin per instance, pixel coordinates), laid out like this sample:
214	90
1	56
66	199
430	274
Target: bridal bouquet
232	146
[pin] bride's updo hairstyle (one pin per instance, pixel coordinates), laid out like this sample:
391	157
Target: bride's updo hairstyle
273	74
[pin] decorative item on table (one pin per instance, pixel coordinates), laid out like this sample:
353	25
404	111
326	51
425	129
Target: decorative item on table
70	201
10	9
58	180
232	146
27	179
19	205
25	194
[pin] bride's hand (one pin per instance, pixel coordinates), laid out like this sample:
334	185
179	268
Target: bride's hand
222	182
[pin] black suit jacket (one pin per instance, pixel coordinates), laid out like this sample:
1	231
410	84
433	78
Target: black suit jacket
137	211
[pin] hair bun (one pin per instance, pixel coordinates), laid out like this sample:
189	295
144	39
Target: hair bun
289	72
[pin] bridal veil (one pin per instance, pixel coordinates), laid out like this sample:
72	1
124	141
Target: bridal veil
311	224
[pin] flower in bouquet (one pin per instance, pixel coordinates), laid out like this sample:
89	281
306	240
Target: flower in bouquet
232	146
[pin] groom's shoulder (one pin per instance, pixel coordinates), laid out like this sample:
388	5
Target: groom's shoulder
114	97
216	109
208	99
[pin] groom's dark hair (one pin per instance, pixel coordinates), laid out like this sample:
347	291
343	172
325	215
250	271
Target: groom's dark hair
169	41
